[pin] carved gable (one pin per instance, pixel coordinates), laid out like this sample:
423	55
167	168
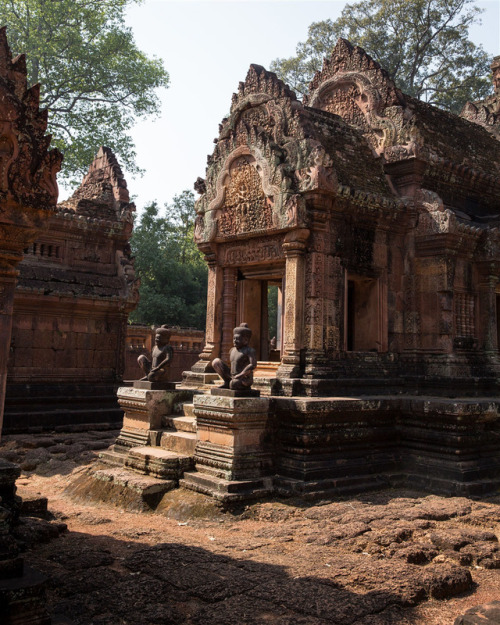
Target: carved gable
353	86
347	101
246	208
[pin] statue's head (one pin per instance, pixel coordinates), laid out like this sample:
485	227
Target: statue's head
241	335
162	335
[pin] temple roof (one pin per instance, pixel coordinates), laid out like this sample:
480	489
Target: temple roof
352	158
103	192
355	135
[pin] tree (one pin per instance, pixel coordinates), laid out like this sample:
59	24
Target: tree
171	269
423	44
95	82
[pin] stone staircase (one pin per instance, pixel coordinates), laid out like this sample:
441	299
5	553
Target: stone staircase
161	463
150	462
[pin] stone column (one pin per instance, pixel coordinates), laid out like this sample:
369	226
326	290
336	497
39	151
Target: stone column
214	315
489	312
294	247
228	310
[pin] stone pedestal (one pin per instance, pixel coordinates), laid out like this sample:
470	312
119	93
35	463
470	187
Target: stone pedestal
232	458
144	410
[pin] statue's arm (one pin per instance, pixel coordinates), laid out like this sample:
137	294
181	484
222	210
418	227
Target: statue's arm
252	357
167	357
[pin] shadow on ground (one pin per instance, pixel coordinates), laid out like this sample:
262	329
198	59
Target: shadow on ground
100	580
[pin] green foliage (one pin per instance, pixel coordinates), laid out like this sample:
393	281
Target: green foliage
172	271
423	44
94	80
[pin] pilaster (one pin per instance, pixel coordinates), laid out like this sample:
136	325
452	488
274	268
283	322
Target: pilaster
488	307
228	310
214	315
294	248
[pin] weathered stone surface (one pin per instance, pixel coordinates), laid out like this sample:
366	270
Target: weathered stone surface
121	488
486	614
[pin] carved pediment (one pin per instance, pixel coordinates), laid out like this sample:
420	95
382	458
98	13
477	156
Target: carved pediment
27	168
251	194
354	87
246	207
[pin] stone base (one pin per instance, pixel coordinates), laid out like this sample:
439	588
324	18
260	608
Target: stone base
345	445
64	407
154	386
232	437
229	392
287	487
227	491
144	412
122	488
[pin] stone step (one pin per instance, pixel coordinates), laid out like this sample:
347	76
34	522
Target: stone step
224	490
266	369
181	442
187	410
128	489
181	424
112	457
158	462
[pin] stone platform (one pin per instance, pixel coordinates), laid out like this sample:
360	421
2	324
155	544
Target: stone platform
343	445
243	448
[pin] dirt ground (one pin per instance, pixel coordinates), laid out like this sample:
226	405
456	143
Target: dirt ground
386	558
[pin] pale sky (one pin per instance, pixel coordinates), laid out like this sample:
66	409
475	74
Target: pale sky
207	47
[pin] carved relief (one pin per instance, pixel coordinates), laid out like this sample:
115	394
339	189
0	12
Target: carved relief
252	252
199	226
246	207
295	210
341	101
319	174
352	96
257	116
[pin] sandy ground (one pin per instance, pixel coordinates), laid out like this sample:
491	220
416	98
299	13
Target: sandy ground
392	557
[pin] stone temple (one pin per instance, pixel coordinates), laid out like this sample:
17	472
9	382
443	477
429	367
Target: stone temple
357	234
375	216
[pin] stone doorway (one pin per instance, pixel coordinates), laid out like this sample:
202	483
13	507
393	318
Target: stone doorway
363	314
260	304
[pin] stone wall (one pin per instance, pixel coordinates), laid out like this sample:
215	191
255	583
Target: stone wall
76	289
